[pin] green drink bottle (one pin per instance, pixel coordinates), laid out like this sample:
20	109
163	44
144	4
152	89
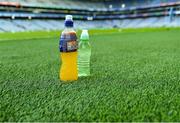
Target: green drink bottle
84	54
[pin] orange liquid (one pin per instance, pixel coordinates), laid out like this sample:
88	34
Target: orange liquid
68	70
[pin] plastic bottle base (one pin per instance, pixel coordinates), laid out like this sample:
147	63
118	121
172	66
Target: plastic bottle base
80	75
68	79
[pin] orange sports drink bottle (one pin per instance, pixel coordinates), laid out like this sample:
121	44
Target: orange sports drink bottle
68	51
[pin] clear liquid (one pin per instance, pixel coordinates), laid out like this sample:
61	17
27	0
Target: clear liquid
84	53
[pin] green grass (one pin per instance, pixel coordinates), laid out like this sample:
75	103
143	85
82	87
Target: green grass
135	76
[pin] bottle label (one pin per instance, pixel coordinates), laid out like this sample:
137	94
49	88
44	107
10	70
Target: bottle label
68	42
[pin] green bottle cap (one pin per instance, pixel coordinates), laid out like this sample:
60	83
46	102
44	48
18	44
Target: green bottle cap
84	35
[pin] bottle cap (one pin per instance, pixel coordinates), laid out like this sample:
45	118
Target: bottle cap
69	17
69	21
84	35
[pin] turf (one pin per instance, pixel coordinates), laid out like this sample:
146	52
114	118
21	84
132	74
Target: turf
134	77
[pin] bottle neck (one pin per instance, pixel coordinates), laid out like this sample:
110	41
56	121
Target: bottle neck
84	40
68	28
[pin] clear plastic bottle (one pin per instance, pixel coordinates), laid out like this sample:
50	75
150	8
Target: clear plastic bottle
68	51
84	54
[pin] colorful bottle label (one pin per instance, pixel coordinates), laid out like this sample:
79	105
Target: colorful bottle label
68	42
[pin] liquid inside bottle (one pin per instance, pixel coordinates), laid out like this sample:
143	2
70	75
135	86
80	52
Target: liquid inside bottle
68	52
84	53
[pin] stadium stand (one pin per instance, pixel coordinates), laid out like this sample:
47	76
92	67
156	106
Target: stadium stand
30	15
72	4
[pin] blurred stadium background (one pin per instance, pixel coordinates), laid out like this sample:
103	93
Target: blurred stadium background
30	15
